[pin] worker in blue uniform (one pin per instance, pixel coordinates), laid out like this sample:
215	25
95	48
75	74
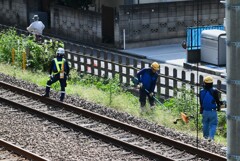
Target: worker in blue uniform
147	78
59	71
209	105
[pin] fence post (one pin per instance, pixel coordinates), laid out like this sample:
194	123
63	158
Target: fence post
105	64
113	65
167	81
142	64
92	61
70	57
24	60
159	87
110	99
174	82
135	67
127	71
99	63
219	85
192	81
13	56
120	69
183	78
85	64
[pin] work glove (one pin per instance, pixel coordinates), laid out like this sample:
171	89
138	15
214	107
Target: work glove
140	85
151	94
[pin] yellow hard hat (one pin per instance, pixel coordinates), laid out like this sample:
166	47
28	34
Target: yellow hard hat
208	79
155	66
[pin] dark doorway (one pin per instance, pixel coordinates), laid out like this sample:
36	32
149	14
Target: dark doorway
40	8
107	24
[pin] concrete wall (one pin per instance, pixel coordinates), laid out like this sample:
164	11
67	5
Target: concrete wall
145	24
164	23
76	24
13	12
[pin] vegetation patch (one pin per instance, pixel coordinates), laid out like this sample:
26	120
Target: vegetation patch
104	91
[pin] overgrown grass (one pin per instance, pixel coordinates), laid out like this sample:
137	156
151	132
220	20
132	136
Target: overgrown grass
96	92
107	92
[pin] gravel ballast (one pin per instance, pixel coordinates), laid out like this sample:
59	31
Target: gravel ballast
204	144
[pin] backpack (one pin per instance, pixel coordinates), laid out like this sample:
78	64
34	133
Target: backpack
208	101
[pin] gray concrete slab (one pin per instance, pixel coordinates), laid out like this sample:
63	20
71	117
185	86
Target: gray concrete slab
174	54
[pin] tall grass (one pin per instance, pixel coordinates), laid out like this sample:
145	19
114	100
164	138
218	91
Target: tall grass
104	91
121	101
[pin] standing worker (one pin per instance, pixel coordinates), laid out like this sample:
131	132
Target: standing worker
147	78
60	70
36	28
209	105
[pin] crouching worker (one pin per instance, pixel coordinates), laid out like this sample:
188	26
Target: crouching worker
147	78
209	105
59	71
36	28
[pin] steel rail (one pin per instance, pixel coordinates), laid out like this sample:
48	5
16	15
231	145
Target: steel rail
106	138
156	137
22	152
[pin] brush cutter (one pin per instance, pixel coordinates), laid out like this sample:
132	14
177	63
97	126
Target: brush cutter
136	82
184	118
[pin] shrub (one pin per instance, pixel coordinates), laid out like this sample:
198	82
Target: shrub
186	101
38	55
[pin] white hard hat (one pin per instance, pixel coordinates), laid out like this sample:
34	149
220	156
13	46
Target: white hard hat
35	17
60	51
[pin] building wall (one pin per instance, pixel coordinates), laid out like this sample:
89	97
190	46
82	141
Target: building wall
144	24
13	12
164	23
76	24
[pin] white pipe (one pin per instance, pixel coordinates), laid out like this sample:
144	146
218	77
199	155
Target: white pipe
124	45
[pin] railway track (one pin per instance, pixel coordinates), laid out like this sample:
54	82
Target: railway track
11	152
143	142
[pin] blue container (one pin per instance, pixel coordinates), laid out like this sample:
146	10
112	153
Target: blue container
194	35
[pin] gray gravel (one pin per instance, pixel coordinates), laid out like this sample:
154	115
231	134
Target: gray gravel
56	143
212	146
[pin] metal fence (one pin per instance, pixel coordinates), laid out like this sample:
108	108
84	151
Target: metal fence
105	63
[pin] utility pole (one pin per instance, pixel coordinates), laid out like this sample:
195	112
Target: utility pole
233	78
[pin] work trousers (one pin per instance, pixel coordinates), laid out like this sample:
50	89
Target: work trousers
143	94
209	121
63	83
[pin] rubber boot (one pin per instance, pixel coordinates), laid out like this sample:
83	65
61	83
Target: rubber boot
46	92
62	96
142	108
152	106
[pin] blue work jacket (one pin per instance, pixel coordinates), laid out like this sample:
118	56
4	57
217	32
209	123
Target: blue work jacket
148	78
